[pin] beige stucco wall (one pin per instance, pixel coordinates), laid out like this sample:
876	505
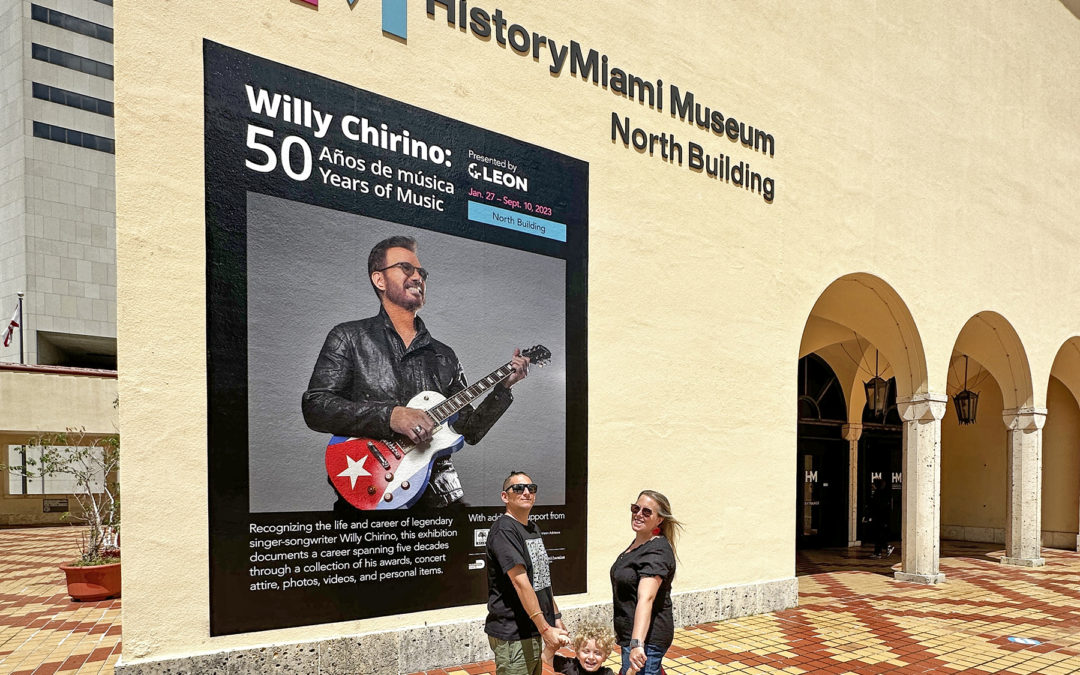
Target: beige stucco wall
35	400
974	491
929	144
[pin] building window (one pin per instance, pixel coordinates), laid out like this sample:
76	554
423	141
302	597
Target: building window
72	137
70	98
821	398
72	61
71	23
24	459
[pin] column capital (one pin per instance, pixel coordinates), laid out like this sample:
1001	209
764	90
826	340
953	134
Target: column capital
851	432
1024	419
927	407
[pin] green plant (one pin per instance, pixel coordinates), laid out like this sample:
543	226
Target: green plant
91	463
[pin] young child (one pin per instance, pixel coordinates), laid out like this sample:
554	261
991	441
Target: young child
593	643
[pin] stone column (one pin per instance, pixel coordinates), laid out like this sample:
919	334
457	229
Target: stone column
922	487
852	433
1023	517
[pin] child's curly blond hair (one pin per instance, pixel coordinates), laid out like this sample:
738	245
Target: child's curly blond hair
596	631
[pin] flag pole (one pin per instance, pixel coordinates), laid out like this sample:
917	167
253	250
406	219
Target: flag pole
22	360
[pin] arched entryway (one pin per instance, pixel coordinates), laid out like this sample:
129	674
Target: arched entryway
862	328
987	459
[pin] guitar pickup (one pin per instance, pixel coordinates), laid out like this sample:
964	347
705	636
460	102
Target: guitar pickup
378	456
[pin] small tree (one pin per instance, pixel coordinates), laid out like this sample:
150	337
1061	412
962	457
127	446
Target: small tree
92	463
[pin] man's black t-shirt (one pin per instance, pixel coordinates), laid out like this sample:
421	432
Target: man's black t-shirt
654	558
509	544
568	666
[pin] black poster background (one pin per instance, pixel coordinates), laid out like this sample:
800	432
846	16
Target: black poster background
555	180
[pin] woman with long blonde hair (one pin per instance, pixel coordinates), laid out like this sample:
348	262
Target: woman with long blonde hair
641	585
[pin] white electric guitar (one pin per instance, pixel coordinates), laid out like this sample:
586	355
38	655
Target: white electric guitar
380	474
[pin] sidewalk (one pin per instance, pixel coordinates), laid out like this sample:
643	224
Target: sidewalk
865	622
852	618
42	630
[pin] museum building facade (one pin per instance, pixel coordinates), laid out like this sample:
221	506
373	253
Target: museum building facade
774	253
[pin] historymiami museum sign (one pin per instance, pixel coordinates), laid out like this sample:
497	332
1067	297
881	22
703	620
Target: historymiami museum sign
726	163
303	176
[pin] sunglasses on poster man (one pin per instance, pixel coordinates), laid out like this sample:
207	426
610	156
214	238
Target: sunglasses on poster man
645	510
520	488
408	268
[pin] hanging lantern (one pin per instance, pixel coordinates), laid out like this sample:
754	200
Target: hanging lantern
877	391
967	401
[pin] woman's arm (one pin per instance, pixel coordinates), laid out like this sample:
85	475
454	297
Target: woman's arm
646	594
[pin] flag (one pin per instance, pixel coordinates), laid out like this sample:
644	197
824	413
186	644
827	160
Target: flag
12	325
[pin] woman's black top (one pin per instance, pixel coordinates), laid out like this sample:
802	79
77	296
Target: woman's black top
654	558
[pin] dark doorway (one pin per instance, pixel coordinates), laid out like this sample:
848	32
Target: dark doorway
822	492
881	455
821	476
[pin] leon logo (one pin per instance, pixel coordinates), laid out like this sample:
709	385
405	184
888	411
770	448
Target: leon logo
393	16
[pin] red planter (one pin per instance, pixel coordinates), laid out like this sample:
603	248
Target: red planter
93	582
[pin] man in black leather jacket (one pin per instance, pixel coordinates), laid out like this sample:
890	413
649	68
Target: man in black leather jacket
368	369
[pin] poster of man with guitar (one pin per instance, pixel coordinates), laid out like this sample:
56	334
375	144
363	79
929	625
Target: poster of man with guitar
357	443
396	399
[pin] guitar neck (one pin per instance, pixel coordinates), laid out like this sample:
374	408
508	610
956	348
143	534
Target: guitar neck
450	406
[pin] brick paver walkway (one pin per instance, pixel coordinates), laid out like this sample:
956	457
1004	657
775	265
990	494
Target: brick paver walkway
862	621
42	631
852	618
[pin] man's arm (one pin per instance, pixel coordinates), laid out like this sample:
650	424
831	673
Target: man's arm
523	587
474	424
326	404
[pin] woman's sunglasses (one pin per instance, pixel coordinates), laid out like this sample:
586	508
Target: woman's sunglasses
645	510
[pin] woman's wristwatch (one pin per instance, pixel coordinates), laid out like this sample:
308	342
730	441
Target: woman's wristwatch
635	644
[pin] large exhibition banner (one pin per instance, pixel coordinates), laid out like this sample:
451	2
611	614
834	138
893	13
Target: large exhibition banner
312	520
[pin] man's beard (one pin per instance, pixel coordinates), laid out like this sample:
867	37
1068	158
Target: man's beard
404	299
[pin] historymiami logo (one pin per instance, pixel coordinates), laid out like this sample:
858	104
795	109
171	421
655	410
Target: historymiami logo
393	16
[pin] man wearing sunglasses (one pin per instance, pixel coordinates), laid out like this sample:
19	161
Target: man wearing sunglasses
522	614
368	369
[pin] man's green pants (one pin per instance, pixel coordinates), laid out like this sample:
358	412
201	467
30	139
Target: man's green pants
517	657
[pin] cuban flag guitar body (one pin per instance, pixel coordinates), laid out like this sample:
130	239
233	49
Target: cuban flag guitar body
375	474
